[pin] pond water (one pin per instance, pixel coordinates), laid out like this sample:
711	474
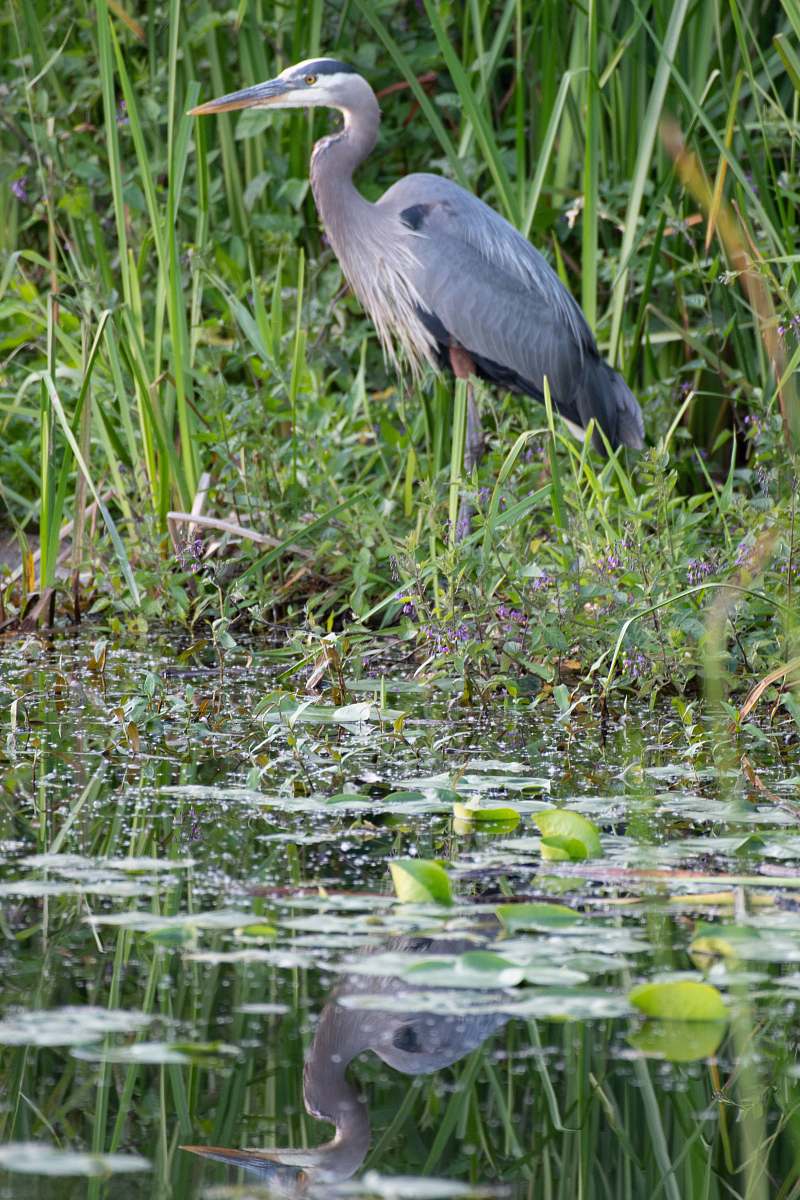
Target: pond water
202	945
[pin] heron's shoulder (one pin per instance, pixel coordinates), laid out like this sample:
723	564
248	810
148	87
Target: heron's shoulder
422	188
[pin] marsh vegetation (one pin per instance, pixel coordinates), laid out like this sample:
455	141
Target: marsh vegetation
274	743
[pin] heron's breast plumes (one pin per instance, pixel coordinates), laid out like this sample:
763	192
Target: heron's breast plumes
377	259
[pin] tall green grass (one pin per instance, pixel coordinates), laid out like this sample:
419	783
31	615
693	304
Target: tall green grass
187	257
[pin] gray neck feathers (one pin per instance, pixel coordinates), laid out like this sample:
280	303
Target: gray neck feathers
366	238
330	1095
335	158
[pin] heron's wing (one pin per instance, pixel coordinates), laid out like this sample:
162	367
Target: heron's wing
490	290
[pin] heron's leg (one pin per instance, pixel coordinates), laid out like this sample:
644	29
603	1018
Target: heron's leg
464	368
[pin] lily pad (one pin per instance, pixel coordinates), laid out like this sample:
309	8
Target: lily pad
679	1041
70	1026
419	881
567	835
39	1158
680	1000
471	814
542	916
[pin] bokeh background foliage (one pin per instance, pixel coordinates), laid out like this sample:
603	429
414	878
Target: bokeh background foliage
169	306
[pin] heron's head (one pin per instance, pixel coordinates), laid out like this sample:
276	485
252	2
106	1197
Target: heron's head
315	83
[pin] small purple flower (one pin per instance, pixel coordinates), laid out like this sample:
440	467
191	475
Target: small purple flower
699	569
635	664
409	610
744	554
19	189
610	561
190	555
122	114
461	634
483	495
541	582
462	527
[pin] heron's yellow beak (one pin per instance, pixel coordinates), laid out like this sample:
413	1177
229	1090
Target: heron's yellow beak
259	96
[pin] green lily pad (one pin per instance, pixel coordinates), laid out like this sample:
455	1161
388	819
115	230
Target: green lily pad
679	1041
420	881
471	814
543	917
680	1000
567	835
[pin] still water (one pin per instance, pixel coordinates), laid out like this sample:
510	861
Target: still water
202	946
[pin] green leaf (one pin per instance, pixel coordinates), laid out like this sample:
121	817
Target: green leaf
563	849
420	881
485	816
679	1041
542	916
681	1000
567	835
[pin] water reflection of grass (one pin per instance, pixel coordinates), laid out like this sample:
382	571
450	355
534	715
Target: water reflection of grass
221	909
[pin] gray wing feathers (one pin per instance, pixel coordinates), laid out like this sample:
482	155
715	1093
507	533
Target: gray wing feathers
499	298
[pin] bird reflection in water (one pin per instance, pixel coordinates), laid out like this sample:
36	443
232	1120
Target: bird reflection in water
414	1042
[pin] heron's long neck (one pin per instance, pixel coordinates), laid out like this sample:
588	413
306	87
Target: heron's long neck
333	162
330	1095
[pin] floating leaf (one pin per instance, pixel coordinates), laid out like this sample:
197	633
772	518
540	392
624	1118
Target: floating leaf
39	1158
419	881
679	1041
69	1026
567	834
470	814
544	917
680	1000
473	969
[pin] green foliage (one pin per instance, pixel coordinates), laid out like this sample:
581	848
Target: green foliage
419	882
174	331
680	1000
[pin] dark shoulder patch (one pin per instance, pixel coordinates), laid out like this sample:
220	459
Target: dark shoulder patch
414	216
405	1039
328	66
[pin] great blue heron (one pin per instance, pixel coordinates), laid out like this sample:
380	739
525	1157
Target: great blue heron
445	279
414	1042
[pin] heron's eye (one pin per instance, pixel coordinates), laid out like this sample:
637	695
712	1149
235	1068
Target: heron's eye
311	79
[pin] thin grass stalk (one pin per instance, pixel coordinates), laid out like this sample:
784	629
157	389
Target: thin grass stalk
591	173
298	358
106	65
647	144
457	444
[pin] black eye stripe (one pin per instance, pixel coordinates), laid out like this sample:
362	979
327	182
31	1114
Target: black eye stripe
328	66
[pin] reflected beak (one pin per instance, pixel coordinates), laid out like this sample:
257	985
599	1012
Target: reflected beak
270	1164
258	96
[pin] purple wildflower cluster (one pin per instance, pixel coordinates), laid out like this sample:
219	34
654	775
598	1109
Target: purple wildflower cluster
789	325
409	609
699	569
636	664
541	582
190	555
512	616
609	562
744	554
445	639
19	189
